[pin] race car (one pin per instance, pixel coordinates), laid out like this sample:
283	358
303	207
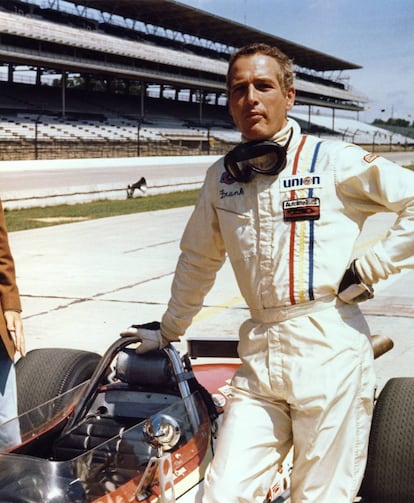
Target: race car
129	428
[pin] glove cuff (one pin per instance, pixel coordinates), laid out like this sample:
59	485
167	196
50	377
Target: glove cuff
352	288
152	325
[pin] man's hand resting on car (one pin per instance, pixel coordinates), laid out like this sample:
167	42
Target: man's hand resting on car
150	335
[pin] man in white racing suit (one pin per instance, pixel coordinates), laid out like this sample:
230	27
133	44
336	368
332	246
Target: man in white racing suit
288	221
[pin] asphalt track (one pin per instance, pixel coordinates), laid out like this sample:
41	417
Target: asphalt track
82	283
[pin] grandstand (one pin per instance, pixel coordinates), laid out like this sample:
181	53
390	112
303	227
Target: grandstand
92	78
352	130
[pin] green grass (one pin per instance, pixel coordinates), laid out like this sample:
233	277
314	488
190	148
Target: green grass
32	218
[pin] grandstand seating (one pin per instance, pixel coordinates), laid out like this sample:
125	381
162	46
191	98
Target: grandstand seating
27	111
351	130
52	130
22	127
315	88
38	29
88	124
101	41
102	121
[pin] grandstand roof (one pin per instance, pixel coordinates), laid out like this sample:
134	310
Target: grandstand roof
182	18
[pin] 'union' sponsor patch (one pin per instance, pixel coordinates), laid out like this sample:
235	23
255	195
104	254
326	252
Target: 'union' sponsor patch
297	182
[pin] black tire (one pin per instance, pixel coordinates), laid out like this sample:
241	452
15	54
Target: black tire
390	467
44	374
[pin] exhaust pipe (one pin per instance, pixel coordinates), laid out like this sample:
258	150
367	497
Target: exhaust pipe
381	344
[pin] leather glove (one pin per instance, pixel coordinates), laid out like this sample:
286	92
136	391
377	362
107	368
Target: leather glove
150	335
352	289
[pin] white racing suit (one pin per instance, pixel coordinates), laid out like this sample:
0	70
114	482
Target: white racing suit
307	375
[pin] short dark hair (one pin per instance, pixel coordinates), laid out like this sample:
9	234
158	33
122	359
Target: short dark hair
287	72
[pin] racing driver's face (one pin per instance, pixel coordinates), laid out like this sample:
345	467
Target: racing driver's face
257	102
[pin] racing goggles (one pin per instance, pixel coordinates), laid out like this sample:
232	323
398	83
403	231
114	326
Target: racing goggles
263	157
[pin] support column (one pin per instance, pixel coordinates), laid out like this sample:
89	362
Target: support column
10	72
64	93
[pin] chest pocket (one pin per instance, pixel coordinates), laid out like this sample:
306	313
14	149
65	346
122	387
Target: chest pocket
238	232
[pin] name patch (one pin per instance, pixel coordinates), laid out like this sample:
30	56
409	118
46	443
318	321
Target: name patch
304	208
231	193
298	182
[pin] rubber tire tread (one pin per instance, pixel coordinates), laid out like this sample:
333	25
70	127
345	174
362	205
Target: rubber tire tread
389	474
46	373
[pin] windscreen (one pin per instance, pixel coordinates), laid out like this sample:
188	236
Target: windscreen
110	467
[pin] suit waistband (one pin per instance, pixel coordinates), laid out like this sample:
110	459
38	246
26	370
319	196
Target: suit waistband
283	313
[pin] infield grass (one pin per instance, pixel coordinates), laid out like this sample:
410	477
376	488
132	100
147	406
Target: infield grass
32	218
